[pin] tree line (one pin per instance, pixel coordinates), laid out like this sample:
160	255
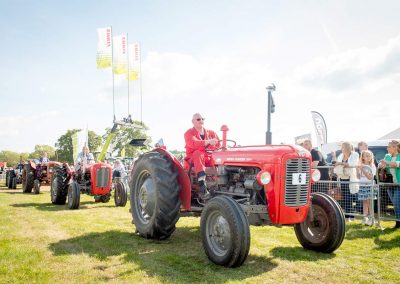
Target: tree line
62	151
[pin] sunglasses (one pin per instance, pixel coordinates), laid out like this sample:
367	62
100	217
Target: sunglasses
198	119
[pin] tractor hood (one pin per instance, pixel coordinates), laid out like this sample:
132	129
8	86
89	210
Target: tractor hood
271	154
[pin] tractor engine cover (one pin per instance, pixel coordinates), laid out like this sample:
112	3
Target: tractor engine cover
100	176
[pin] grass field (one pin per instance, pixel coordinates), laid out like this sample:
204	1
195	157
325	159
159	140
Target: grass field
44	243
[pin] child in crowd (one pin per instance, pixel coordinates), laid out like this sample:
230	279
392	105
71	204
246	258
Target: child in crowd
366	170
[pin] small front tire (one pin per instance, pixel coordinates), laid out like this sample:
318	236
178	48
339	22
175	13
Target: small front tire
36	186
120	194
74	195
325	232
225	232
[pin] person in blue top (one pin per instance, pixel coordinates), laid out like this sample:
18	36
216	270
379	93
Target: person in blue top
82	156
44	159
391	162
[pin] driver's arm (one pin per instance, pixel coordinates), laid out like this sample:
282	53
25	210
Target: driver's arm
195	143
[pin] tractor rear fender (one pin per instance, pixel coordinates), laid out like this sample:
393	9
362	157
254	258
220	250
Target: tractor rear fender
183	179
32	164
69	170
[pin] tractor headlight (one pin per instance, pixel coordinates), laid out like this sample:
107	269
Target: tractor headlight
316	175
264	177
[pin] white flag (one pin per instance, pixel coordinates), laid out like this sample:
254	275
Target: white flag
134	61
79	139
120	54
104	48
320	128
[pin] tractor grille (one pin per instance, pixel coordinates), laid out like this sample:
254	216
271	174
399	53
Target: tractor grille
296	182
102	176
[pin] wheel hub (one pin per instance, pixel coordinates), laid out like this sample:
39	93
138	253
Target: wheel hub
219	234
146	199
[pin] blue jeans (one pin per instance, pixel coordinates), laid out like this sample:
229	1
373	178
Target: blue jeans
394	195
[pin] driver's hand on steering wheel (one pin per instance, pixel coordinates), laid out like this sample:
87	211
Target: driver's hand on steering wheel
212	141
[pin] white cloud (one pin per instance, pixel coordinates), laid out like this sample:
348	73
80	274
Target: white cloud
18	131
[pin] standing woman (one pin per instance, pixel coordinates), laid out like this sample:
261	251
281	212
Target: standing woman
348	159
392	164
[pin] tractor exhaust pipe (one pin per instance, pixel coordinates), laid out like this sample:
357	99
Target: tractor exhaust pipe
224	129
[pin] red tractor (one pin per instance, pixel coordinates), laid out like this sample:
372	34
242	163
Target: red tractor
95	179
34	174
249	185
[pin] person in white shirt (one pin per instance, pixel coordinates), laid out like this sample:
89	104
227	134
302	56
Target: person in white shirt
349	160
84	157
119	169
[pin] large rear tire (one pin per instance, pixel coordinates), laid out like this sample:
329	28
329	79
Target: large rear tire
225	232
58	186
120	194
325	231
27	179
154	197
74	195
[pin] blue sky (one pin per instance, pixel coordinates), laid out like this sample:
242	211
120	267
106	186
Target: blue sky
341	58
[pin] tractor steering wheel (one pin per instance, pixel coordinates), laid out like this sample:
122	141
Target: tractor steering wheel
228	146
219	148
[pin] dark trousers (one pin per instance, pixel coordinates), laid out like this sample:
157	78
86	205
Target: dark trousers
348	199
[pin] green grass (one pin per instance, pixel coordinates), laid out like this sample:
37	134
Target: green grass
44	243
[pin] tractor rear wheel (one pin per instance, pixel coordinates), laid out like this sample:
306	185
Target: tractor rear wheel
58	186
27	178
154	197
74	195
324	229
36	186
120	194
225	232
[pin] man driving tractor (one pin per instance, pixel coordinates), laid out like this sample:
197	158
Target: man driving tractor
197	141
84	155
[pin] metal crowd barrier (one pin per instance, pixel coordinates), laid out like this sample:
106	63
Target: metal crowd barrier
354	197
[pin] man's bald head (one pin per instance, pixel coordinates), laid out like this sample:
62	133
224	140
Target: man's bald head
198	120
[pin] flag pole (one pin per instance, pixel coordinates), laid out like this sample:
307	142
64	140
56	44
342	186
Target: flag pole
127	63
112	70
140	82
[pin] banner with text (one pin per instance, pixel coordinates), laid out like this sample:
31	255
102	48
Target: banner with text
134	61
120	54
320	128
104	48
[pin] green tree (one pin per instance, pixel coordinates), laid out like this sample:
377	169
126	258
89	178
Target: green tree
94	141
12	158
64	144
39	149
124	135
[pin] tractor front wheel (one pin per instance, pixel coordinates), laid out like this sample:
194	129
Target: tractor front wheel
27	179
11	174
74	195
325	226
154	197
14	183
7	177
58	186
36	186
120	194
225	232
